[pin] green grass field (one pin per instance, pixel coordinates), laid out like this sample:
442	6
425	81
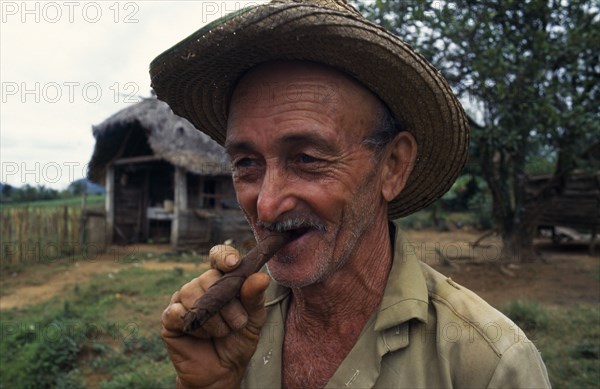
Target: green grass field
91	201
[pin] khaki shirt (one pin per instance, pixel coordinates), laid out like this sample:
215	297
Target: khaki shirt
428	332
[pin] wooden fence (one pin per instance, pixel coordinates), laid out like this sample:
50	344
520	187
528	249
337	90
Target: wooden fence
38	234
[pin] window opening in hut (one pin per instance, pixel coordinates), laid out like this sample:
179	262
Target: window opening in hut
209	194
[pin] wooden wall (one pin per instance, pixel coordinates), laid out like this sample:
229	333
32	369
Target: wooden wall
577	207
212	214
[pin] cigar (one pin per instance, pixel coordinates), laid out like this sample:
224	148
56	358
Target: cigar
228	287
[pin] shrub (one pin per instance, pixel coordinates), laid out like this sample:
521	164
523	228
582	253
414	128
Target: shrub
38	359
480	205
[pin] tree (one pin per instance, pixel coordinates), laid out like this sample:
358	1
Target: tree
77	187
529	72
6	190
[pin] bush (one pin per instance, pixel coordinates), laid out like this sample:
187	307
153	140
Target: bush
38	357
480	205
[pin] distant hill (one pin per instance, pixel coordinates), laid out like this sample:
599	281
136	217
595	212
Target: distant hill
85	185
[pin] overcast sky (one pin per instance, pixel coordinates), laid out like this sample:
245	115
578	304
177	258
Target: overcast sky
67	65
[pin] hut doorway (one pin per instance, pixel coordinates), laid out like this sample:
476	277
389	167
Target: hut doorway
143	201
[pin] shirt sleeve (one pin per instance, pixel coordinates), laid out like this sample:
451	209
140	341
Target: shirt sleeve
521	366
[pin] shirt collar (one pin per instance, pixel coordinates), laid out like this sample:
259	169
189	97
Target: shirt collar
405	296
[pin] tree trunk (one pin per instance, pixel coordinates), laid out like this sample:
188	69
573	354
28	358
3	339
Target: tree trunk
517	244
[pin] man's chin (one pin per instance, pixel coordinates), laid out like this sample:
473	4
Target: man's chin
284	273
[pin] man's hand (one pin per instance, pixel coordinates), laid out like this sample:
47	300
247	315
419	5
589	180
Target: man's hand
215	355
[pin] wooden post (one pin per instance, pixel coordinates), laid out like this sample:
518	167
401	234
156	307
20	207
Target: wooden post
82	222
109	204
65	232
180	204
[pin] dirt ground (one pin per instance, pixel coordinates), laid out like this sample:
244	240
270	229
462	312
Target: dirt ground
35	284
568	275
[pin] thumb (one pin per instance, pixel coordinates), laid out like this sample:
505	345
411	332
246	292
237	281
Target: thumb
252	297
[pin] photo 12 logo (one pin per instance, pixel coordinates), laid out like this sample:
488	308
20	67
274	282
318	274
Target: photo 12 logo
68	92
42	173
69	11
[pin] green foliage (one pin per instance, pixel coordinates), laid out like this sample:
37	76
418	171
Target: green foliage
527	71
107	327
480	206
150	346
417	221
528	316
465	188
542	163
38	355
28	193
148	376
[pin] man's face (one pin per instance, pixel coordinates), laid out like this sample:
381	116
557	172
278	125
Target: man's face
294	135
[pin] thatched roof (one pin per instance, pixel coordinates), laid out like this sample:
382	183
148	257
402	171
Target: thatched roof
168	136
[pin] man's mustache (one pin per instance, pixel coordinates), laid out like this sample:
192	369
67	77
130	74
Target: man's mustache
292	223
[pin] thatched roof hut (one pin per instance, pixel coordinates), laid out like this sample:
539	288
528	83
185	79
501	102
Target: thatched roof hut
169	137
165	180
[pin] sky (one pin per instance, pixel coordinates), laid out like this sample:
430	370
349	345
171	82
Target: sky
68	65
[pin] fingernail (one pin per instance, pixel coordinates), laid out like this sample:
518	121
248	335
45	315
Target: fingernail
240	322
231	260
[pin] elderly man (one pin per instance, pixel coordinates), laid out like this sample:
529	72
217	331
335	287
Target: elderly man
334	127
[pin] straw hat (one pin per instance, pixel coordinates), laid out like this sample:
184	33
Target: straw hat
197	76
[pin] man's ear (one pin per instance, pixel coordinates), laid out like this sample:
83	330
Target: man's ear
399	160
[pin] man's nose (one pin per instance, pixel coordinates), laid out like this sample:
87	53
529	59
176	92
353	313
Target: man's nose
276	196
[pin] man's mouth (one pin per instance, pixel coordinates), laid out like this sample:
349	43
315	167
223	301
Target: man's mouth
296	233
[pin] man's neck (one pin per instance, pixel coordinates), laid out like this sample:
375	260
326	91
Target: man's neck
344	302
324	320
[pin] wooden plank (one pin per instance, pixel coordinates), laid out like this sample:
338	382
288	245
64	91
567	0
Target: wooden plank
180	202
133	160
109	205
578	205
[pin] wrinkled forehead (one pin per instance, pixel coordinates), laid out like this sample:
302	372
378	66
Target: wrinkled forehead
304	84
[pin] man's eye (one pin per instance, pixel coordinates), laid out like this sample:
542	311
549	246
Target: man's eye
243	162
246	169
304	158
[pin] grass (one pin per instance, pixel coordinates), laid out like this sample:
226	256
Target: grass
568	339
527	315
423	219
92	200
101	335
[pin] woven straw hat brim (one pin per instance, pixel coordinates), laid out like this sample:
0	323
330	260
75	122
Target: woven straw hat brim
197	77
